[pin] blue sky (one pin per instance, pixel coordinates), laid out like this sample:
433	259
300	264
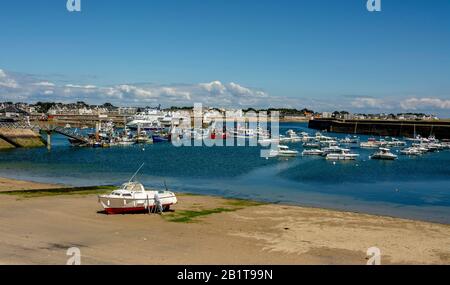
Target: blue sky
322	54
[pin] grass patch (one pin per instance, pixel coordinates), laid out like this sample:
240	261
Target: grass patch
189	216
59	191
243	203
188	194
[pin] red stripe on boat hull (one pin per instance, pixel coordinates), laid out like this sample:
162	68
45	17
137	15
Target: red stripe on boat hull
132	210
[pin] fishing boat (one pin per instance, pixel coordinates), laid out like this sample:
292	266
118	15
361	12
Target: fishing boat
132	197
343	155
157	138
384	154
149	120
312	152
124	141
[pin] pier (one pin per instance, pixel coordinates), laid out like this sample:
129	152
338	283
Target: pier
49	130
395	128
17	135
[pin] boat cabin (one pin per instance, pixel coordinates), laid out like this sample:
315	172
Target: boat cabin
130	187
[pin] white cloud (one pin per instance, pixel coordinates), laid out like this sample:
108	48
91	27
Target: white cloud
6	81
173	92
425	103
215	87
138	93
80	86
44	84
238	90
368	102
27	88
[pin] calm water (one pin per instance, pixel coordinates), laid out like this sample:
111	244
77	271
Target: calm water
409	187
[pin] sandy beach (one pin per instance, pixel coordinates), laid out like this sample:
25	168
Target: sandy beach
205	230
7	184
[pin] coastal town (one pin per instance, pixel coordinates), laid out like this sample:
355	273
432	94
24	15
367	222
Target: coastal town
25	125
222	138
52	110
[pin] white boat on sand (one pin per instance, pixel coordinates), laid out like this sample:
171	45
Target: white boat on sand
132	197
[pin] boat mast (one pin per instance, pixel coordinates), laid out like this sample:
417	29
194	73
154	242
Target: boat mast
134	175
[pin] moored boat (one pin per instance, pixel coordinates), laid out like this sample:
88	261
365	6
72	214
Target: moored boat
343	155
312	152
411	151
283	151
384	154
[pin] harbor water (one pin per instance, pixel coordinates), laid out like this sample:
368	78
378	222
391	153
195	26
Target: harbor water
410	187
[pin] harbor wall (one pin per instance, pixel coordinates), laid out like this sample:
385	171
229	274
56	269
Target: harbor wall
18	137
395	128
5	145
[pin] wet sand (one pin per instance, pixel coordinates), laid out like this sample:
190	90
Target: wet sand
7	184
40	230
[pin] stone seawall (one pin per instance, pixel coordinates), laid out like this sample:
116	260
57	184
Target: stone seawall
394	128
18	137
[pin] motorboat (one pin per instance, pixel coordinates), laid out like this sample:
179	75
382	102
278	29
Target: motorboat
322	138
266	142
284	151
311	145
384	154
142	137
312	152
411	151
291	133
149	120
125	141
372	143
329	143
396	143
343	155
291	136
350	140
132	197
158	138
331	149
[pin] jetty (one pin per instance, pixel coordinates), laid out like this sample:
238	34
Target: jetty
18	135
49	130
394	128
